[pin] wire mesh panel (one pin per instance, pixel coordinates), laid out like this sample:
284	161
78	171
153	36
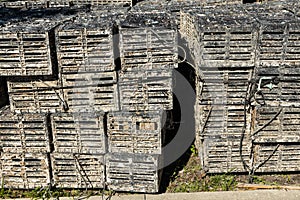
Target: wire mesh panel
135	133
228	43
23	133
78	133
132	172
146	90
78	170
219	120
14	4
35	97
219	131
24	170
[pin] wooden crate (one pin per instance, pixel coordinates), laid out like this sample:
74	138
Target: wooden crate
135	133
146	90
35	96
285	159
78	133
133	173
28	50
88	92
23	133
277	85
78	170
24	171
221	43
222	154
220	120
86	45
284	128
226	86
148	41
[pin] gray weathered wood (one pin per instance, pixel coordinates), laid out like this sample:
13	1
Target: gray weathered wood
78	170
35	97
78	133
24	170
146	90
135	133
132	172
23	133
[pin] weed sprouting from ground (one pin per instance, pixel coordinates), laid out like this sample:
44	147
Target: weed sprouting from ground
193	179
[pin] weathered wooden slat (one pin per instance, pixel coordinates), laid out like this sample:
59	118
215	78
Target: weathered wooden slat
78	133
135	133
24	170
134	173
78	170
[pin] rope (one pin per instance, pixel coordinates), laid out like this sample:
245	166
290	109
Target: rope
64	103
85	175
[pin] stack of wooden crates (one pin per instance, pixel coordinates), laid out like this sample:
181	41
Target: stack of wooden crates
76	119
247	94
148	53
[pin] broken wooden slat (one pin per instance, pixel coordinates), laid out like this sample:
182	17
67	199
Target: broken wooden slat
78	133
24	133
266	187
24	170
134	173
78	170
135	133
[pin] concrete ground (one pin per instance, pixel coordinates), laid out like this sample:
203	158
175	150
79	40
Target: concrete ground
232	195
237	195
